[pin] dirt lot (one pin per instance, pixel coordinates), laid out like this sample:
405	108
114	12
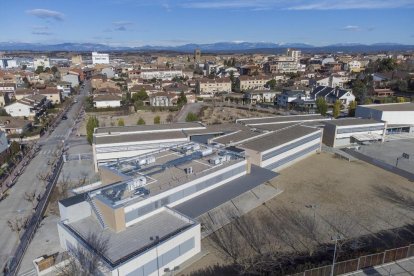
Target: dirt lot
148	116
350	198
214	115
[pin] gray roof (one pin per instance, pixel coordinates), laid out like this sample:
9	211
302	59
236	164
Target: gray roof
201	204
215	129
353	121
135	239
137	128
73	200
237	137
282	119
136	137
391	107
278	138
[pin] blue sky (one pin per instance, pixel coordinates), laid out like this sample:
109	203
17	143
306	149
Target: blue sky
176	22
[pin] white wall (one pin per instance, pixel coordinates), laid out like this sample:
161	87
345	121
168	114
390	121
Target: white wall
103	104
75	212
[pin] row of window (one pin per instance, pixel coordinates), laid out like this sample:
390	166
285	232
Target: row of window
164	259
182	194
292	157
290	146
359	129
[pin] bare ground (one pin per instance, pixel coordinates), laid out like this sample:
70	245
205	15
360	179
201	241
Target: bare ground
350	198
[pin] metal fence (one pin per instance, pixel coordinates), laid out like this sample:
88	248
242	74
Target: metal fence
362	262
32	224
81	156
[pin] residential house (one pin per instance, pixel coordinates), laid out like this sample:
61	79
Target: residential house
244	83
146	87
162	74
177	88
383	93
51	93
289	96
260	96
71	77
354	66
331	95
108	100
108	72
12	125
281	65
163	99
30	107
65	88
330	81
208	87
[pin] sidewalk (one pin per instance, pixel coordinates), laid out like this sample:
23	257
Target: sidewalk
400	268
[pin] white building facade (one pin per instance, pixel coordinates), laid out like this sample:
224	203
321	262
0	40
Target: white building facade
100	58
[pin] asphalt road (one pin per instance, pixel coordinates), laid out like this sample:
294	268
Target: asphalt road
15	205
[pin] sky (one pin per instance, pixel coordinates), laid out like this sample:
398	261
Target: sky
177	22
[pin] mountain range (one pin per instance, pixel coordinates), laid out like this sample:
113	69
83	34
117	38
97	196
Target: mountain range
230	47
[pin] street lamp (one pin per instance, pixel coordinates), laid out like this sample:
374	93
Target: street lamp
335	238
156	240
176	268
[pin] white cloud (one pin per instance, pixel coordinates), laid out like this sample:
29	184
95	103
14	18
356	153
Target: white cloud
47	14
351	28
260	5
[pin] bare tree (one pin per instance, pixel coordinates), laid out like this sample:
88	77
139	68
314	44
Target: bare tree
86	259
31	197
17	225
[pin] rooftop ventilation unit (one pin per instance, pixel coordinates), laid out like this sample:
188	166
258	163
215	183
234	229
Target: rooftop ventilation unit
137	182
206	152
188	170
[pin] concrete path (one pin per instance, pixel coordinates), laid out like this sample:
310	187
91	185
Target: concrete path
401	268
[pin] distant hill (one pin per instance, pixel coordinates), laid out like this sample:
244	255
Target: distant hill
230	47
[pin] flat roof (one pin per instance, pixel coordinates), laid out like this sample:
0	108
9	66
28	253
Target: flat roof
172	126
215	129
201	204
281	119
137	137
237	137
167	172
353	121
278	138
136	238
391	107
73	200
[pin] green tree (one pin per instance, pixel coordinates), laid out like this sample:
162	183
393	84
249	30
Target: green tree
157	120
400	100
121	122
182	100
24	67
191	117
140	121
92	123
321	106
140	95
351	108
336	109
271	84
39	69
54	69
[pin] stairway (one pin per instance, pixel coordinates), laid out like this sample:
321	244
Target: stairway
97	212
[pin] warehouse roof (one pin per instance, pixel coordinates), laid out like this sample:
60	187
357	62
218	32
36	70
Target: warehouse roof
282	119
353	121
140	128
137	137
278	138
391	107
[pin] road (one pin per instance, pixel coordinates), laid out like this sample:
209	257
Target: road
192	107
402	267
15	205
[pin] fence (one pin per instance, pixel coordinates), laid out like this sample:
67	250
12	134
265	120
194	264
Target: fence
80	156
32	224
362	262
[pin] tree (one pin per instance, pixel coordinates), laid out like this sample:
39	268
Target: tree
54	69
30	197
92	123
24	67
400	100
17	225
140	121
182	100
191	117
271	84
336	109
321	106
351	108
140	95
121	122
86	261
157	120
39	69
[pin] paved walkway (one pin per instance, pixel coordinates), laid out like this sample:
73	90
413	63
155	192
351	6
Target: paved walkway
400	268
